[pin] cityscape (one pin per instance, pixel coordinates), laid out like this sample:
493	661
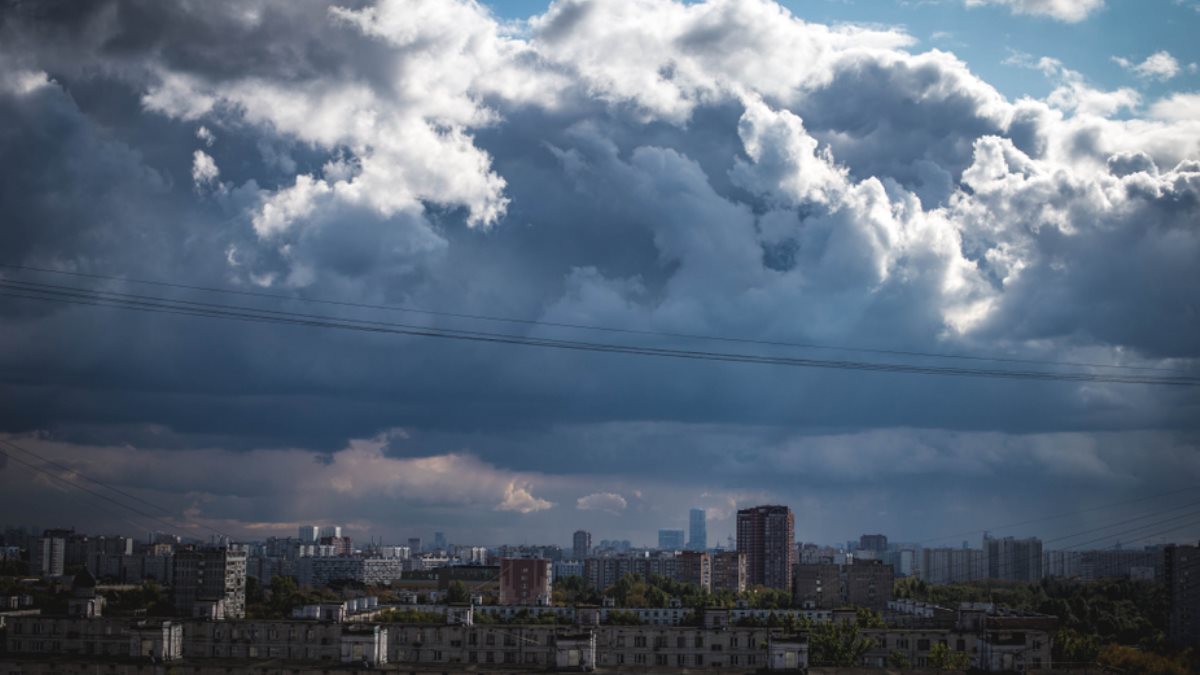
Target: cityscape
767	602
436	337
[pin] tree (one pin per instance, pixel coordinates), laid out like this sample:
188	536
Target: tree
899	660
838	644
942	657
457	592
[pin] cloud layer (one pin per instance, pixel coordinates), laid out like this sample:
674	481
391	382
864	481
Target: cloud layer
717	168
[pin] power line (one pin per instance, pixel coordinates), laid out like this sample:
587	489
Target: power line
154	304
581	326
1060	515
91	492
108	486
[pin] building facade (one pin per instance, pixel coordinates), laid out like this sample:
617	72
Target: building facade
1182	575
525	581
697	530
1013	559
729	571
670	540
203	577
766	534
581	544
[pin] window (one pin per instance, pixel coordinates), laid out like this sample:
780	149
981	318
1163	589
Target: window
680	660
681	642
491	640
660	659
699	642
961	645
639	659
639	641
660	642
923	645
699	659
620	640
902	643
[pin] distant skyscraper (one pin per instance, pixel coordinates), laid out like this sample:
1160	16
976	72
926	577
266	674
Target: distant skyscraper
873	542
766	535
439	540
582	544
414	545
670	540
697	530
309	533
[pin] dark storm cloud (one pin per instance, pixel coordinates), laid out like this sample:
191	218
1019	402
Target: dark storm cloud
414	153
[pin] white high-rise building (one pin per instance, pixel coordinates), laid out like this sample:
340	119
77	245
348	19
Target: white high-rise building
309	534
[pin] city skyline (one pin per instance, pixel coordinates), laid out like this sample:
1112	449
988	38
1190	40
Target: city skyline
508	270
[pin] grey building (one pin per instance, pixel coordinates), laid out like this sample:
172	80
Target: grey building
1013	559
209	577
1182	575
670	540
581	544
48	556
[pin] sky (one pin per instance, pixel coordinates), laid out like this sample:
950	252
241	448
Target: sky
997	179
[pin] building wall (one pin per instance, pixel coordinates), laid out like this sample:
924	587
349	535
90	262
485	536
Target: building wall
209	575
729	571
581	544
697	530
1182	575
766	534
524	581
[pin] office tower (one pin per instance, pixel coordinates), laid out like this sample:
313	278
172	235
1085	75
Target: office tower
331	531
211	575
582	544
670	540
697	530
729	571
439	541
1181	571
309	534
1013	559
766	535
525	581
873	542
414	545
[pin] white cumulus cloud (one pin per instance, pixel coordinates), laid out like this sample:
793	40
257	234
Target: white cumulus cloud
1158	66
602	501
1071	11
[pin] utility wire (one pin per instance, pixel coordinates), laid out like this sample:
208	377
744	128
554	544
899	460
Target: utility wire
102	484
579	326
153	304
1060	515
99	495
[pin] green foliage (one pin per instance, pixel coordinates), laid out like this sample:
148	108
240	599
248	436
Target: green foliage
1113	611
838	644
869	618
410	615
898	660
281	597
619	617
1130	661
942	657
457	592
